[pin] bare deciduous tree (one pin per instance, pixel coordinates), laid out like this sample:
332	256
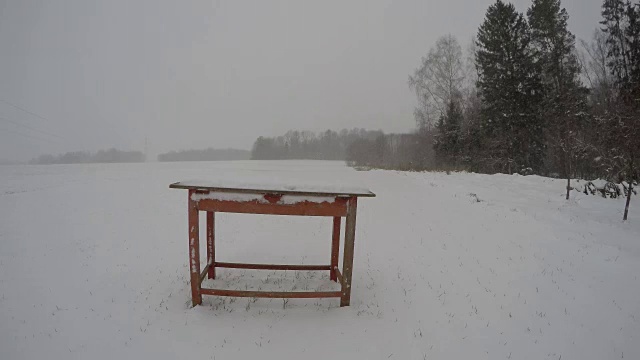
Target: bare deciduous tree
440	78
593	61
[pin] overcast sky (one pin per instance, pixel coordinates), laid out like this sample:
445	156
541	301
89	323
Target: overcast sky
192	74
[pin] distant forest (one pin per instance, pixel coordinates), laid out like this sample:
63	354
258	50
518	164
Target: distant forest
358	147
83	157
209	154
327	145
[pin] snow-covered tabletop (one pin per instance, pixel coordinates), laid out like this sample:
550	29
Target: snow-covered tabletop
273	186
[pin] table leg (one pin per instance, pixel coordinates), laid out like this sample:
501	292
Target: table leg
335	248
194	251
211	247
349	242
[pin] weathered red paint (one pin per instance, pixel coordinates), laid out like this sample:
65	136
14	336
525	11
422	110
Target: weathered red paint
342	206
273	294
306	208
271	267
211	248
347	256
335	247
194	251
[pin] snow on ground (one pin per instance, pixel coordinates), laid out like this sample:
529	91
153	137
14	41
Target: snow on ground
93	265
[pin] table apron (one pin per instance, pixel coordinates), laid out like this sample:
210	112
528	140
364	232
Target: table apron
306	208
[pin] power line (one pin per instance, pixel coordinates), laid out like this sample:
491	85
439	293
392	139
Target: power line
25	135
32	128
23	109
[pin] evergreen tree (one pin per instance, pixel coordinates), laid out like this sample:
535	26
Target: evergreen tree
621	21
632	34
620	142
613	13
564	100
447	144
511	92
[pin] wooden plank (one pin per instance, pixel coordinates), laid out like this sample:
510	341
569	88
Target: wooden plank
271	267
194	251
349	242
211	248
335	246
179	185
272	294
338	275
204	273
338	208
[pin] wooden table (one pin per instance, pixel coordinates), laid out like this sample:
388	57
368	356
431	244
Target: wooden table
212	197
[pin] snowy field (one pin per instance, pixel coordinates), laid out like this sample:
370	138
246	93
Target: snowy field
93	265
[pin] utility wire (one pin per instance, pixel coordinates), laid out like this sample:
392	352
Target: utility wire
23	109
31	128
25	135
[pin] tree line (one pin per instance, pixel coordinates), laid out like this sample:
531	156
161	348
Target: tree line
209	154
327	145
83	157
522	98
358	147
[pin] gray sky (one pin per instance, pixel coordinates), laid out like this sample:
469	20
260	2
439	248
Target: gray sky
194	74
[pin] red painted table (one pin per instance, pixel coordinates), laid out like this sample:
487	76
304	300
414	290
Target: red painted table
335	202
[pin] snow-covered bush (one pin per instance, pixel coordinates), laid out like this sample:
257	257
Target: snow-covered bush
606	189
